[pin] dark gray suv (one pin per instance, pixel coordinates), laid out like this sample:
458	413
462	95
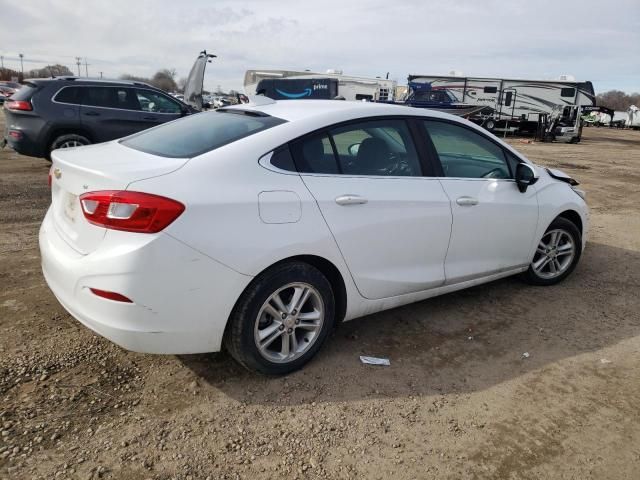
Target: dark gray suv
46	114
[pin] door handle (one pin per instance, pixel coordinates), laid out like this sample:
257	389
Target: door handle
467	201
351	200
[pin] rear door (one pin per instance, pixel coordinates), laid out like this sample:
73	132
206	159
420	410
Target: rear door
494	224
391	222
110	112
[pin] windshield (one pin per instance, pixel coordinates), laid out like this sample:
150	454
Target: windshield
200	133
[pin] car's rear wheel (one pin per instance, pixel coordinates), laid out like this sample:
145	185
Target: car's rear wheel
68	140
282	319
557	253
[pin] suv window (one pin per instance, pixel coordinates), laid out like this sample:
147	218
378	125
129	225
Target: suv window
464	153
200	133
155	102
110	97
372	148
68	95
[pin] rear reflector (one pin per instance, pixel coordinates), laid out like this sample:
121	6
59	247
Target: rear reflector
130	211
15	134
110	295
18	105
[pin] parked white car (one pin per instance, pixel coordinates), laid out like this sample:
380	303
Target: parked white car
261	226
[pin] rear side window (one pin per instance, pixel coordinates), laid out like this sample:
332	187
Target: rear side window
68	95
370	148
200	133
110	97
314	154
490	89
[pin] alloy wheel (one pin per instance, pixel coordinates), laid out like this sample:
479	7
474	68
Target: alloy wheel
289	322
554	254
71	144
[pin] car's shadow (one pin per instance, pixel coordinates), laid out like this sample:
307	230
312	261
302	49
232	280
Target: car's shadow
461	342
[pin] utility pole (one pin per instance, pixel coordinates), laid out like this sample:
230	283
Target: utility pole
21	64
86	67
100	74
1	61
78	64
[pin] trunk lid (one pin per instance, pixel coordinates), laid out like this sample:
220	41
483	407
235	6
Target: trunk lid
107	166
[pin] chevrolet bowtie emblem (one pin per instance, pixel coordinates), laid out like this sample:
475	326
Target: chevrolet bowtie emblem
57	173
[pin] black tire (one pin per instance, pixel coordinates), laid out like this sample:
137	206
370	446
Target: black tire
559	224
489	125
239	339
68	138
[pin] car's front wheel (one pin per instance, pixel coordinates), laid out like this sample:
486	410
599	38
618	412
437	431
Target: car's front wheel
282	319
557	253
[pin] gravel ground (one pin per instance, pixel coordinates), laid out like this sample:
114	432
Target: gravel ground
460	399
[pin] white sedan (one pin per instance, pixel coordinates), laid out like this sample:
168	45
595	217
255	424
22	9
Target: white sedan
259	227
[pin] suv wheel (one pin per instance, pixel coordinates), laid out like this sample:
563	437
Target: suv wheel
68	140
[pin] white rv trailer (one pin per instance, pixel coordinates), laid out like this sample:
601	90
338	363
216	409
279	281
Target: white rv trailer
515	103
330	84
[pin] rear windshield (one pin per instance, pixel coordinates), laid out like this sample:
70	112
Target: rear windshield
25	92
200	133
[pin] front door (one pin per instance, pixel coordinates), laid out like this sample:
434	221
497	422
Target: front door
494	224
391	223
110	112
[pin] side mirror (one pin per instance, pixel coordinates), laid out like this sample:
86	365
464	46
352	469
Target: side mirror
353	149
525	176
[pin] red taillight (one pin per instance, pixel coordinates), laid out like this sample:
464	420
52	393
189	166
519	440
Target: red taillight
130	211
110	295
18	105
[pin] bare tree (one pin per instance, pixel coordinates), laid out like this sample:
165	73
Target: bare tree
617	100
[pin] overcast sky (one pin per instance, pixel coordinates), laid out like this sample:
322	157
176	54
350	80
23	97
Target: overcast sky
591	40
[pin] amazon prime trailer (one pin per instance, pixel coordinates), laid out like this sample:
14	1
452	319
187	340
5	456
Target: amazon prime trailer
513	105
290	84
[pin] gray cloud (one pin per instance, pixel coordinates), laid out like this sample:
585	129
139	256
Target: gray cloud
590	40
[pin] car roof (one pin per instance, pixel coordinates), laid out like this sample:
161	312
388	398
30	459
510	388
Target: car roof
295	110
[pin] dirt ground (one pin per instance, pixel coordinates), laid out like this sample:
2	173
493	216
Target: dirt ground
460	399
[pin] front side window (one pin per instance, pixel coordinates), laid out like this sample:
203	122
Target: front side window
200	133
155	102
110	97
464	153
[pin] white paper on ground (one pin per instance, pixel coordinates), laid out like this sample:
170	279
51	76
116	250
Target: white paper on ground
375	360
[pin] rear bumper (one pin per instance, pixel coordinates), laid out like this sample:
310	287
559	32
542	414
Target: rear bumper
181	298
32	131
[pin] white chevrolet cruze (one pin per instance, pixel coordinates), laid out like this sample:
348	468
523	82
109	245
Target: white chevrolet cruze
261	226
